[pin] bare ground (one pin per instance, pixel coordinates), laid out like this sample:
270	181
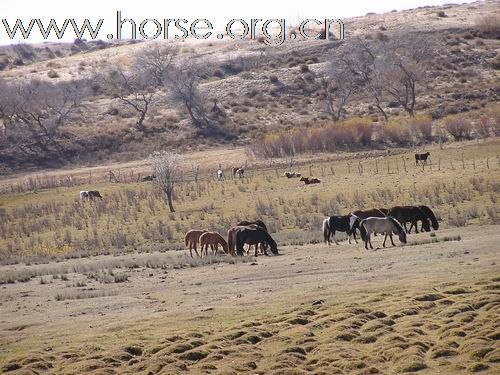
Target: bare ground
430	308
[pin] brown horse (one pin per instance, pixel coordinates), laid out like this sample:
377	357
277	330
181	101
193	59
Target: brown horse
310	180
94	194
192	238
213	239
292	174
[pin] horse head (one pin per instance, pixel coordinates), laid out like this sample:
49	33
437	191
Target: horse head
402	236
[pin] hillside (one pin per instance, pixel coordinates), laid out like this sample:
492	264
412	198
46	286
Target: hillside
258	89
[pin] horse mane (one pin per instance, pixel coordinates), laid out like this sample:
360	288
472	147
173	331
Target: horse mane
429	214
397	224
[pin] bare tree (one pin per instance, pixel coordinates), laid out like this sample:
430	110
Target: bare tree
33	115
339	85
166	169
156	60
183	87
134	89
402	66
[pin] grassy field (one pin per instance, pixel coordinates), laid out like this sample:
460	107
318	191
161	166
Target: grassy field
461	185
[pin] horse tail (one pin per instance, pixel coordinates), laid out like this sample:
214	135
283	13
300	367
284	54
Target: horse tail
362	230
326	229
230	242
186	238
430	215
397	224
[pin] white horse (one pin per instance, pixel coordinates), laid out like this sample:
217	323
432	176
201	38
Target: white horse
84	195
387	225
220	174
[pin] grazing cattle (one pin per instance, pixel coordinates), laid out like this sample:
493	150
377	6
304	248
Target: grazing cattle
421	158
212	239
410	214
310	180
192	238
94	194
387	225
430	216
292	174
84	195
337	223
150	177
253	235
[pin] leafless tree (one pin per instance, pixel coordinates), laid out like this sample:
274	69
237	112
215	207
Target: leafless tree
34	113
183	88
166	169
155	61
134	89
402	66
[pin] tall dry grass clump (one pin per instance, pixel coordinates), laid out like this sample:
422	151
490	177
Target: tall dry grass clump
459	128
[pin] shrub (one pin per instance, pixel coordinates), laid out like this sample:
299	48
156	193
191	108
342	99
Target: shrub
483	126
304	68
489	24
397	132
52	74
422	125
273	78
459	128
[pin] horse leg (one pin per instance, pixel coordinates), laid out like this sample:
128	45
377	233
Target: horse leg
404	225
392	240
416	226
370	240
385	238
190	249
334	239
196	250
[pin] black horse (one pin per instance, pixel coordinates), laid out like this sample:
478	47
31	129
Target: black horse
94	194
430	216
340	224
422	158
410	214
254	235
259	223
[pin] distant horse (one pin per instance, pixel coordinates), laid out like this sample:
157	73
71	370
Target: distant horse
212	239
410	214
192	238
387	225
310	180
84	195
220	174
147	178
238	172
259	223
422	158
337	223
292	174
430	215
94	194
253	235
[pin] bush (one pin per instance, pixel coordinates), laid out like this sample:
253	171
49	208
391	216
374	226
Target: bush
52	74
422	125
397	132
459	128
483	126
273	78
489	25
304	68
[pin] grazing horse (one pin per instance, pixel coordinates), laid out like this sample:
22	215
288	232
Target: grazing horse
238	172
213	239
430	216
356	216
192	238
94	194
84	195
220	174
292	174
387	225
340	224
259	223
410	214
253	235
422	158
310	180
147	178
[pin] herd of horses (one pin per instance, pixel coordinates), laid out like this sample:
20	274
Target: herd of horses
252	233
380	220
